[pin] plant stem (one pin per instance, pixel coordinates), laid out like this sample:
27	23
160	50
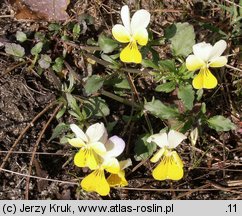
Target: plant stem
120	99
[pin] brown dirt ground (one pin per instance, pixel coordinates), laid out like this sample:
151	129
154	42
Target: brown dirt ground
24	94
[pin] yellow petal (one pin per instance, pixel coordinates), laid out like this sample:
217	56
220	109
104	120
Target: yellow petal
194	63
218	62
86	158
171	167
131	54
121	34
111	165
157	155
177	158
97	182
141	36
119	179
204	79
76	142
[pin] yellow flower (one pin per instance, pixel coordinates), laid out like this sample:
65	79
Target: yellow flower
119	179
96	181
171	165
132	31
91	145
204	56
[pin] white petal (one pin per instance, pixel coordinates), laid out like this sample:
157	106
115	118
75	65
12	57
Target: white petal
76	142
218	61
160	139
121	34
218	49
175	138
194	63
125	16
115	146
99	148
202	50
78	132
97	132
140	20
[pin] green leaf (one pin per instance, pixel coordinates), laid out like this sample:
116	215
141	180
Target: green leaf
167	65
170	31
61	113
149	64
160	110
14	49
44	61
183	40
220	123
37	48
39	36
115	65
76	30
54	27
59	129
199	94
96	107
186	94
58	65
143	149
204	108
21	36
72	103
106	44
166	87
123	84
93	84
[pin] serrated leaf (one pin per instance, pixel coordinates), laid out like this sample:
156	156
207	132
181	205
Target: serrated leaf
186	94
220	123
59	129
160	110
44	61
166	87
96	107
143	149
37	48
183	40
106	44
21	36
93	84
14	49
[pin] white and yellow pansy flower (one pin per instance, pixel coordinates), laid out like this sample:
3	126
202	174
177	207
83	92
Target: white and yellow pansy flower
204	56
91	145
171	165
132	31
96	181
